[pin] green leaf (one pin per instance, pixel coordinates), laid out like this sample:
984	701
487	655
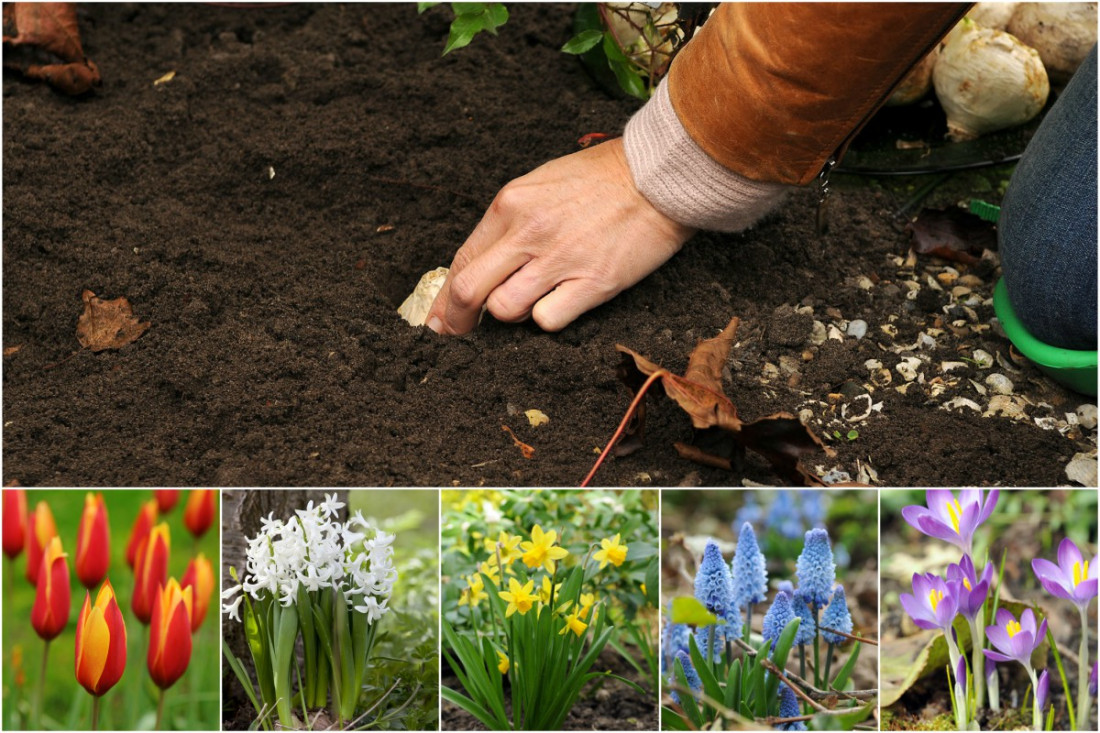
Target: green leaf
468	8
688	610
779	655
471	19
845	672
652	581
704	669
687	699
242	676
421	7
847	721
583	42
672	720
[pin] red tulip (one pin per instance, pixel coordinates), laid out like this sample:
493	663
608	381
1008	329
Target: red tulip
150	571
170	635
40	530
198	515
167	499
146	518
93	542
50	613
100	642
15	522
200	578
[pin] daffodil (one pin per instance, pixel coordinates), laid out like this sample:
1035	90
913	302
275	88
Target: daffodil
587	601
490	570
611	551
520	597
503	664
574	624
474	593
507	545
540	550
546	590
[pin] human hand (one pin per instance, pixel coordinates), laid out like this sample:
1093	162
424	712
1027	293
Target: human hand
557	242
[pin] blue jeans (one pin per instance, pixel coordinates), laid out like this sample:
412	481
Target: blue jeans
1047	229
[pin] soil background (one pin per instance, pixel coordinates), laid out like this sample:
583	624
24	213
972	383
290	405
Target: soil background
275	355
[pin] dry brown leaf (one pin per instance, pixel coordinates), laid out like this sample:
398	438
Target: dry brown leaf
50	29
9	350
107	324
528	451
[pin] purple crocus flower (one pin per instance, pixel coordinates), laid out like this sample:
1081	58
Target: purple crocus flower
1042	694
1092	680
1015	640
973	590
950	519
1073	578
934	602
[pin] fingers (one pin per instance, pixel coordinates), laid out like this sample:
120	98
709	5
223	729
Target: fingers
563	305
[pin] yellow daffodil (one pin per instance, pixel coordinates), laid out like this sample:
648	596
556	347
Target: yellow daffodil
474	593
520	598
587	601
490	571
611	552
503	664
574	624
540	551
545	590
506	544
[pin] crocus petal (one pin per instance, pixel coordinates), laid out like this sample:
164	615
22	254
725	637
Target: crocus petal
996	657
989	505
1085	591
912	515
1068	554
920	614
968	521
935	528
938	501
998	637
1003	617
1027	620
1040	634
1023	644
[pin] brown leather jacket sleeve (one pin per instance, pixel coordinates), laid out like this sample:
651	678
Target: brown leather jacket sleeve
773	90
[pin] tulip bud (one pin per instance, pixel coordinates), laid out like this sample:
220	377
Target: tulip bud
93	542
15	522
50	613
167	499
200	578
100	642
170	635
150	571
146	518
40	530
198	515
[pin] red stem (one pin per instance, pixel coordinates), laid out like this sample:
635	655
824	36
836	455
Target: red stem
622	425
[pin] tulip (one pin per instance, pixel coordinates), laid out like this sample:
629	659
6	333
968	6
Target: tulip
167	499
100	645
150	571
41	529
50	613
170	633
15	522
200	577
950	519
198	515
146	518
93	542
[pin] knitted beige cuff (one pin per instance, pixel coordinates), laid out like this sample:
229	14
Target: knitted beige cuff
682	181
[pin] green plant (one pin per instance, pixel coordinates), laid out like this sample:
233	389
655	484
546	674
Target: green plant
470	19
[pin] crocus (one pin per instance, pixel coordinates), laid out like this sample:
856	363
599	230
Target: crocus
1015	640
1042	694
15	522
690	676
950	519
100	642
778	616
198	515
200	577
934	602
972	589
50	613
41	529
167	499
837	617
1073	578
93	542
1092	679
750	574
150	571
815	569
788	708
146	518
170	634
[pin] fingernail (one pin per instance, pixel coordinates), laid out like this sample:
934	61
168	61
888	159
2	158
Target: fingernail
435	324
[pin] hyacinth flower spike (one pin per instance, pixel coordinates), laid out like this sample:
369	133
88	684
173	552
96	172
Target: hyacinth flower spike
950	519
750	574
788	708
690	675
837	617
714	589
816	572
972	595
778	616
1015	641
807	629
1074	579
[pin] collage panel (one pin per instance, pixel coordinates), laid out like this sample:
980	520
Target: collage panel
769	609
107	618
988	618
550	609
331	609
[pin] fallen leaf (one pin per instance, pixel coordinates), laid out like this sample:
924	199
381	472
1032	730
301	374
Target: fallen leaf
528	451
107	324
382	229
536	417
9	350
51	30
164	79
952	234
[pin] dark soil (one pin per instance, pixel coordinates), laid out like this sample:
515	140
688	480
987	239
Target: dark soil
275	355
610	706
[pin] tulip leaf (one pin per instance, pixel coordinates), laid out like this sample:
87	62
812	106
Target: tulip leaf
688	610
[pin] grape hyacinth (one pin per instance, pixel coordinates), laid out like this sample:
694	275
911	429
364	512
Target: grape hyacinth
750	574
690	675
714	589
815	569
837	617
788	708
778	616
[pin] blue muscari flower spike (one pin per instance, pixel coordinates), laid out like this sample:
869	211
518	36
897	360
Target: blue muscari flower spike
816	569
750	573
788	708
807	629
750	512
674	639
713	584
786	586
783	516
722	633
837	617
778	616
813	507
690	675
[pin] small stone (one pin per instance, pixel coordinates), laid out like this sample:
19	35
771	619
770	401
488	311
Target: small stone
983	359
961	402
1086	416
818	334
946	366
834	313
836	476
788	365
807	355
889	329
999	383
933	284
805	415
960	291
835	334
1005	405
1082	469
947	278
881	377
890	290
872	364
865	283
857	328
971	281
769	372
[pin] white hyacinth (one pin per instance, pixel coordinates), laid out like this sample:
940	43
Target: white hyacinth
315	550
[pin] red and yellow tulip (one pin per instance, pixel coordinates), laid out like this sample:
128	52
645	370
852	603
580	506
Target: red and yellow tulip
170	634
50	613
15	522
93	542
150	571
40	530
146	518
167	499
199	576
198	515
100	642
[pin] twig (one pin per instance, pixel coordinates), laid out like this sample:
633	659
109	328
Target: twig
59	362
773	721
832	692
797	689
865	640
625	421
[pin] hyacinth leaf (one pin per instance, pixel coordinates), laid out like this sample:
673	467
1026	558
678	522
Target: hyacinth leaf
286	633
309	639
733	685
343	651
706	674
242	676
753	687
845	721
783	644
321	620
845	673
689	610
255	635
672	720
687	702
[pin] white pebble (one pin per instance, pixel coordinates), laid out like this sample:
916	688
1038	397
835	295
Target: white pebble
959	402
907	368
857	328
818	333
1086	416
999	383
983	359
